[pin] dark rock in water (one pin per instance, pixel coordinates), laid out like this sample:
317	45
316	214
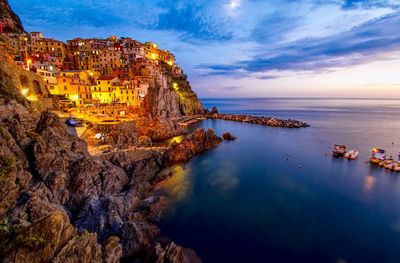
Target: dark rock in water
228	136
214	110
194	143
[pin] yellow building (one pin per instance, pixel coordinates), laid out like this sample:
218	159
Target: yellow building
151	50
125	93
104	90
53	47
85	75
75	89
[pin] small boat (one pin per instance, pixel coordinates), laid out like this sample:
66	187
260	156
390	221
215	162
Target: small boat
388	164
396	167
377	156
339	150
72	123
351	155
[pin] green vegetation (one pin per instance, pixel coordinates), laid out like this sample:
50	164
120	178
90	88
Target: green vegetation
34	136
5	164
8	92
14	237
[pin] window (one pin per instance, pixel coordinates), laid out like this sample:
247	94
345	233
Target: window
65	87
64	80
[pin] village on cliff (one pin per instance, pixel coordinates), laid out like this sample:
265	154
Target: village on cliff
97	77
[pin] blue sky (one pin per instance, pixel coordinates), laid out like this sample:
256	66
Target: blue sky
248	48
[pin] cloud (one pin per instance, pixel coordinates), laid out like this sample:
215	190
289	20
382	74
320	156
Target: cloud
353	4
193	21
348	48
231	88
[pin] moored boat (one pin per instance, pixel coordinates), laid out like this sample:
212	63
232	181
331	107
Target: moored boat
351	155
388	164
338	150
377	156
396	167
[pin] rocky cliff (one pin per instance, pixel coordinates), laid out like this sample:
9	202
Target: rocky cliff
11	21
60	204
170	95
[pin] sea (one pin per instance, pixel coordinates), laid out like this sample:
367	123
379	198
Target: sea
277	194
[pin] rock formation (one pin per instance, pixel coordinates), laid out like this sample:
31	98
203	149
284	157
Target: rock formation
195	143
170	95
67	206
159	128
10	19
228	136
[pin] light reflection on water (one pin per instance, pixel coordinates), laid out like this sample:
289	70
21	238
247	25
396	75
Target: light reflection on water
178	186
244	202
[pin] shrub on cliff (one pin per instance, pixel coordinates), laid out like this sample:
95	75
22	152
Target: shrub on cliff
14	237
8	92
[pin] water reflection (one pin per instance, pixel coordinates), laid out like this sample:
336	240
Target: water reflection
178	185
224	178
369	183
177	139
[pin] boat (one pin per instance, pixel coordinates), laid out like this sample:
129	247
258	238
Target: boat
339	150
351	155
388	164
396	167
73	123
377	156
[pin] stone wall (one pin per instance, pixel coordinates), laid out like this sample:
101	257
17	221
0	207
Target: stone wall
23	79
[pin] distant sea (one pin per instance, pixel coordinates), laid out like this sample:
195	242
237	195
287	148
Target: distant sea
248	200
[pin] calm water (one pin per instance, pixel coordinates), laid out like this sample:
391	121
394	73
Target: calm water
244	202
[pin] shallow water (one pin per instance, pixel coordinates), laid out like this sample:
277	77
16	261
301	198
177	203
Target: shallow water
245	202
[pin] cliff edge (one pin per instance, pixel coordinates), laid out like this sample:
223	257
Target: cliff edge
10	21
170	95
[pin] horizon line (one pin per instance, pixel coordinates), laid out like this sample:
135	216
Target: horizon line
348	98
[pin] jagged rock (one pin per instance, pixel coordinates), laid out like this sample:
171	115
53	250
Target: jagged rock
165	100
112	250
12	21
144	141
196	142
54	229
125	134
228	136
82	248
138	235
214	110
159	128
173	253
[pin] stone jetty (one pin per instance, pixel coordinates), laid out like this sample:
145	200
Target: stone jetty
262	120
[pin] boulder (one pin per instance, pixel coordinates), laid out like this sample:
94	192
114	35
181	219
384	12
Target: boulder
228	136
193	144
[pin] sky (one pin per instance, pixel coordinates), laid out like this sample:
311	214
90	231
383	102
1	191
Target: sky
248	48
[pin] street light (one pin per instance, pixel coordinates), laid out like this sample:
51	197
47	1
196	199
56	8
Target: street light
28	63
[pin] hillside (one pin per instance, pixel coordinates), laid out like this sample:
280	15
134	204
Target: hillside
12	23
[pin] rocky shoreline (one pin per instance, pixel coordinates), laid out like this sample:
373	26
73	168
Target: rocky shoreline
269	121
70	206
